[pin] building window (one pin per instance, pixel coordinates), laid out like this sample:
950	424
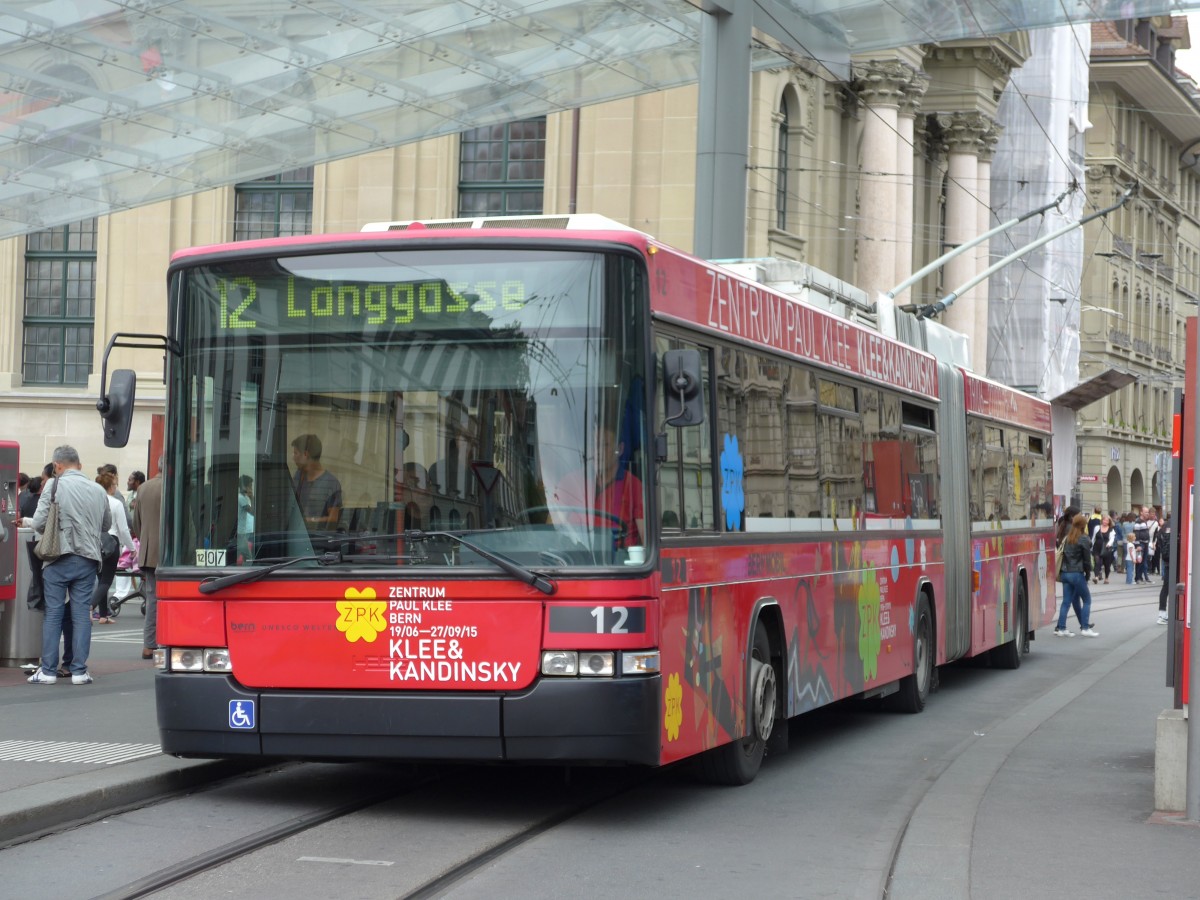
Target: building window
60	304
502	169
781	170
276	206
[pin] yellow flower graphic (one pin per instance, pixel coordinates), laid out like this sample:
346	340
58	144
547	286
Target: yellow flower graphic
673	696
361	616
869	637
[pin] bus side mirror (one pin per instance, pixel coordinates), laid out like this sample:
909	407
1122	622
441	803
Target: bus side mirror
683	398
116	407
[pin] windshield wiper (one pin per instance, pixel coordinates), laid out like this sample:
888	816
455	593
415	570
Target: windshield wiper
516	570
212	585
335	556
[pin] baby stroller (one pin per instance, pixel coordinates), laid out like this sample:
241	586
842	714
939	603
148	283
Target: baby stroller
127	567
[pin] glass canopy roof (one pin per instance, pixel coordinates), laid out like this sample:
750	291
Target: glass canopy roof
112	104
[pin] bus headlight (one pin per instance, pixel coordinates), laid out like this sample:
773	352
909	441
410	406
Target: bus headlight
197	659
560	662
187	659
592	662
599	663
640	662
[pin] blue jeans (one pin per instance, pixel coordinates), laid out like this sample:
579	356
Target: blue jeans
1075	589
72	579
1129	567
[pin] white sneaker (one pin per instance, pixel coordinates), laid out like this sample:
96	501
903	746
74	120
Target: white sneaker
40	677
85	678
1090	632
1162	618
1062	632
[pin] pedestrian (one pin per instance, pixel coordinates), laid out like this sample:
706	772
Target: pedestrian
1164	554
1119	528
26	507
28	500
1076	569
132	485
111	469
1094	522
147	520
83	515
1131	551
1104	549
1141	535
123	584
1060	536
36	597
1152	560
114	539
245	519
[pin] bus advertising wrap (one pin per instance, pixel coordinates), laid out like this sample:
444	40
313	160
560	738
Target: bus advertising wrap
725	303
418	639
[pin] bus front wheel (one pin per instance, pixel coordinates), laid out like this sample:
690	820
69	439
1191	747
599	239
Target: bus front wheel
739	761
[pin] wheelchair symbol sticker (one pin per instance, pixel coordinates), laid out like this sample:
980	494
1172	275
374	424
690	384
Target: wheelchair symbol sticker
241	714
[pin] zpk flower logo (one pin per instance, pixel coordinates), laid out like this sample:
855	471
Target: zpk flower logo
361	616
673	714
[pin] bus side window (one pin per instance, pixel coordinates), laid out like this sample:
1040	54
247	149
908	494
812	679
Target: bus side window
685	477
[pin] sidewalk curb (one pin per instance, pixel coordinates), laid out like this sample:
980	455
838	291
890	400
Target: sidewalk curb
29	812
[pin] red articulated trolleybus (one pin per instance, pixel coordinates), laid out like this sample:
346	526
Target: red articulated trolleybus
550	490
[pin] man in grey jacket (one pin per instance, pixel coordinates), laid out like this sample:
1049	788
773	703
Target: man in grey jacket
83	515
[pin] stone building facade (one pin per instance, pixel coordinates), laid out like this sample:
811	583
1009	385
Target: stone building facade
1141	274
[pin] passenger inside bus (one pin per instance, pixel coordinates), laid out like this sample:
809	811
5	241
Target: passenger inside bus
318	492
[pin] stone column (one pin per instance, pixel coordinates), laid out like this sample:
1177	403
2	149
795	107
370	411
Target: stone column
906	144
979	337
881	84
963	134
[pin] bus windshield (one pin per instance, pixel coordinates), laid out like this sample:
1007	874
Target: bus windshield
341	402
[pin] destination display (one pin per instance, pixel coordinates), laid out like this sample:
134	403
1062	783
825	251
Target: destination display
342	306
365	293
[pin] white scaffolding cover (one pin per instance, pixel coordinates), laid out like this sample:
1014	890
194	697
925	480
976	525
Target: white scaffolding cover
1034	303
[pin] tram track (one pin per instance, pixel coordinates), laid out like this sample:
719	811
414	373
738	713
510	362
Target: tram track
213	860
436	886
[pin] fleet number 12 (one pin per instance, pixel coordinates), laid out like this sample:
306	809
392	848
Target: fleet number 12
614	622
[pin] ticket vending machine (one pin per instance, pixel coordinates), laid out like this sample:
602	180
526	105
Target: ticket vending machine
9	516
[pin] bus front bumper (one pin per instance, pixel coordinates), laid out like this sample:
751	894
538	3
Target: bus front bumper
555	720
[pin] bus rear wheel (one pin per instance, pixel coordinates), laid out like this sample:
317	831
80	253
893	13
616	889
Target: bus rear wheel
738	761
915	688
1008	655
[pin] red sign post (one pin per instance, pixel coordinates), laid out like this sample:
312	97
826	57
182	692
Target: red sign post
1183	443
